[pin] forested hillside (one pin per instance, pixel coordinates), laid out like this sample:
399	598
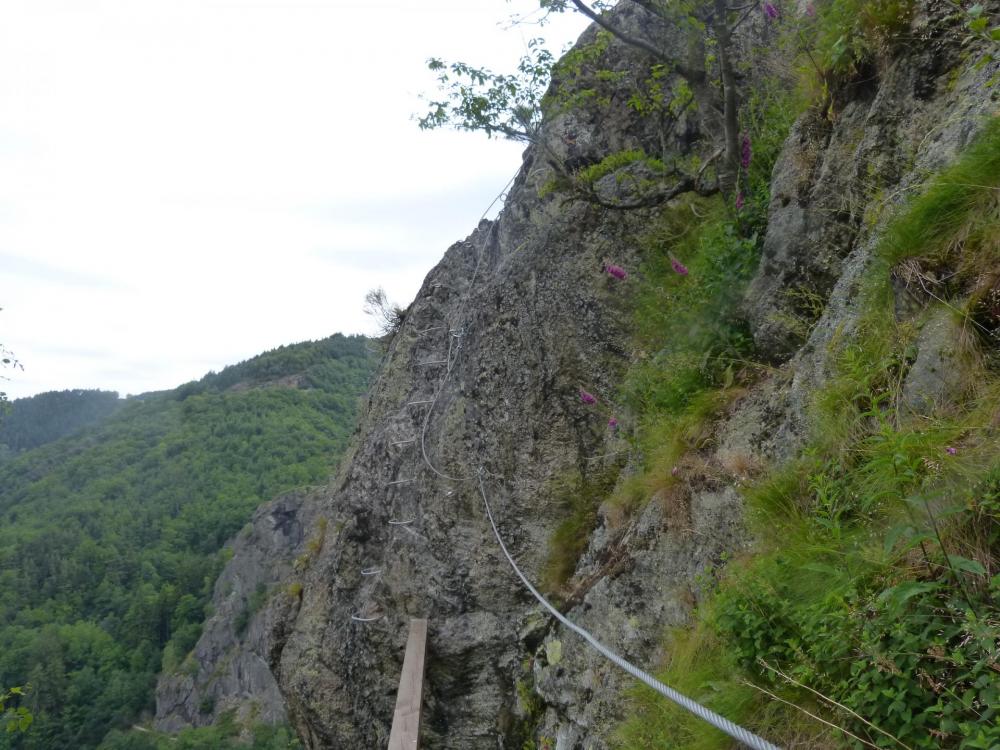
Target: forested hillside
31	422
110	541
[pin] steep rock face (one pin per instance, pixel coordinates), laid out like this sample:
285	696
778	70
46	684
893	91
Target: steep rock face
228	669
836	184
481	383
529	319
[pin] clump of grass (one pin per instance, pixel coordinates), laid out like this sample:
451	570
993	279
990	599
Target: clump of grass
580	497
955	218
850	33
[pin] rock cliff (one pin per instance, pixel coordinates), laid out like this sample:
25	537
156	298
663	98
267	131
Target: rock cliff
482	382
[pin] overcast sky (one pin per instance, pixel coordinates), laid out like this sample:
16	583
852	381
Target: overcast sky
187	183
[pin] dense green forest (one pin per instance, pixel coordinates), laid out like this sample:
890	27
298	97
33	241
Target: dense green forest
35	421
110	540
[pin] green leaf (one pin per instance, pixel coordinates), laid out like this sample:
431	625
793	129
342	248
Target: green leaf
728	377
896	597
979	25
975	11
967	565
892	537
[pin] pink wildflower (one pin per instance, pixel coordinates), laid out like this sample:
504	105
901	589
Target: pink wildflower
617	271
678	267
746	150
771	11
587	398
613	423
675	471
951	451
740	201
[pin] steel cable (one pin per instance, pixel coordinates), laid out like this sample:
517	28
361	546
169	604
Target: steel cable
719	722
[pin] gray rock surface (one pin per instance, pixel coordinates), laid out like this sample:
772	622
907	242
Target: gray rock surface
229	669
937	378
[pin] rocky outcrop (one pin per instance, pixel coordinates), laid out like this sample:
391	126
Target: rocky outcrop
228	669
479	392
831	202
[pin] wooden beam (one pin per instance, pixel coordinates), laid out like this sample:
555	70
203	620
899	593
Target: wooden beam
405	734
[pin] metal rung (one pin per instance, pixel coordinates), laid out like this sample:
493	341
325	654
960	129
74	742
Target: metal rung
431	362
416	403
366	619
401	481
371	571
428	330
404	442
401	523
411	531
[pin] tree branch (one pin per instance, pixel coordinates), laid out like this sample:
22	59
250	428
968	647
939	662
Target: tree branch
633	41
687	184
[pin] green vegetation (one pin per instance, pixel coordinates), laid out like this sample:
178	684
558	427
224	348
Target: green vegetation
35	421
110	541
869	615
225	735
16	717
478	99
580	500
694	349
850	33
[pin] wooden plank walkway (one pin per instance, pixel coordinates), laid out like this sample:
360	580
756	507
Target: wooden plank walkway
405	734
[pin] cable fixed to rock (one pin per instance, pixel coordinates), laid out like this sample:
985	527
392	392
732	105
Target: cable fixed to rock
719	722
456	335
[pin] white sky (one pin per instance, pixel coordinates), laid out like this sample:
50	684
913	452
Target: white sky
187	183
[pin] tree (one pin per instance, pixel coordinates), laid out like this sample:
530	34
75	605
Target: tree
495	103
509	105
388	316
18	718
7	360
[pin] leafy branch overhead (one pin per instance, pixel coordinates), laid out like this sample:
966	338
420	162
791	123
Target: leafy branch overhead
705	83
495	103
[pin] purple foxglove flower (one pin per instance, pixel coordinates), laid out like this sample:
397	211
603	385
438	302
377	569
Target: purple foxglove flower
951	451
740	200
746	151
617	271
613	423
587	398
678	267
675	471
770	10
